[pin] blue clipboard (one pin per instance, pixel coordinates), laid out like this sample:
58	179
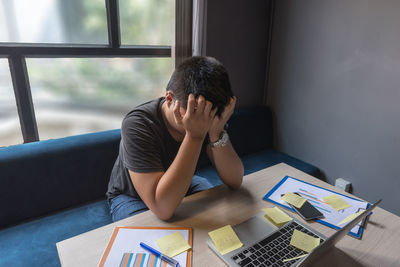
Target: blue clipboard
266	198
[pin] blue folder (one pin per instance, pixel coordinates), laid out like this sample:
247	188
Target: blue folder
266	197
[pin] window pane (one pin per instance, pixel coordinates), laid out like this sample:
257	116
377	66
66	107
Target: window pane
10	129
81	95
52	21
147	22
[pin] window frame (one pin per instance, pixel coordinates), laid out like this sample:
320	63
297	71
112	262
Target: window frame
16	53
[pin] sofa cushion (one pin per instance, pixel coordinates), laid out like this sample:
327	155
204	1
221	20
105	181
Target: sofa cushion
34	243
261	160
47	176
250	130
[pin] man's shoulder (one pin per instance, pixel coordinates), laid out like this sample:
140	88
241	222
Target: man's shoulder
147	111
145	116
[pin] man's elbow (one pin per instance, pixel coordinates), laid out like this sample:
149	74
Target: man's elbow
236	185
163	213
165	217
237	182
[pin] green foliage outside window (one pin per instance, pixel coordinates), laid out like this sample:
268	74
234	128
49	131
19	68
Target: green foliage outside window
142	22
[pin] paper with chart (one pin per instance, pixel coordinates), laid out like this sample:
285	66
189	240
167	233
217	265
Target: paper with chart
314	195
124	247
141	260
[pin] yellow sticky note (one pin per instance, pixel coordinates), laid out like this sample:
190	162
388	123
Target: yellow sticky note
293	199
350	217
173	244
225	239
276	216
336	202
295	258
304	241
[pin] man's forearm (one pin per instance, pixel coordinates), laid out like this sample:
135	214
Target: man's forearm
228	165
175	182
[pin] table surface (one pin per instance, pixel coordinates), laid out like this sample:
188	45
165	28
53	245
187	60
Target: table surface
219	206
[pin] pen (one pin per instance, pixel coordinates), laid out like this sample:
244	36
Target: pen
159	254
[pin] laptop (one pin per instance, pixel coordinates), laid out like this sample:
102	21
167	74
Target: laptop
267	245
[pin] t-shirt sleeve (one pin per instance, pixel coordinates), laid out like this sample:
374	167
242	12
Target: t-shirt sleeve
140	145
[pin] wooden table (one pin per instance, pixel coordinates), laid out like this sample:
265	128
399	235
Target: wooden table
219	206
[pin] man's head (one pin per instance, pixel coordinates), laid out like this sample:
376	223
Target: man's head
201	76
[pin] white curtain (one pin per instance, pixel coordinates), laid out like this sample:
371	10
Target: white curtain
199	27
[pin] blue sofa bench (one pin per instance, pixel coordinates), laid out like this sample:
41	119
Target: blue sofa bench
55	189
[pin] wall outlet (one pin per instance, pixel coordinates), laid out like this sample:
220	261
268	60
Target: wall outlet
343	184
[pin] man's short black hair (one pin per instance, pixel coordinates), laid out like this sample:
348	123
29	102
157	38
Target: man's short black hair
204	76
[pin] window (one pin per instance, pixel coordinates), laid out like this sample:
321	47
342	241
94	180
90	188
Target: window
52	21
79	66
10	133
147	22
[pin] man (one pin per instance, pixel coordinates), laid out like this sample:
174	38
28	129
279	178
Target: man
162	140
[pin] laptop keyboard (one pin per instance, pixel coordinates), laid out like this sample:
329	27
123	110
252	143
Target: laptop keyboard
273	249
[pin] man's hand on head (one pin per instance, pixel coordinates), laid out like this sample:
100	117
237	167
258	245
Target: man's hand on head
218	123
198	117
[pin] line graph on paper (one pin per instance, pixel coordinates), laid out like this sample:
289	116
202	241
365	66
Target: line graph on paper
314	195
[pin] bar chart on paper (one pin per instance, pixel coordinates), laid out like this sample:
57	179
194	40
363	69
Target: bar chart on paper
124	250
141	260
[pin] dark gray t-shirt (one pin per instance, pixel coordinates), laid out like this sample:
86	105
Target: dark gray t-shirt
146	146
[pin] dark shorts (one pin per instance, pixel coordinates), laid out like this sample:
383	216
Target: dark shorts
123	206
